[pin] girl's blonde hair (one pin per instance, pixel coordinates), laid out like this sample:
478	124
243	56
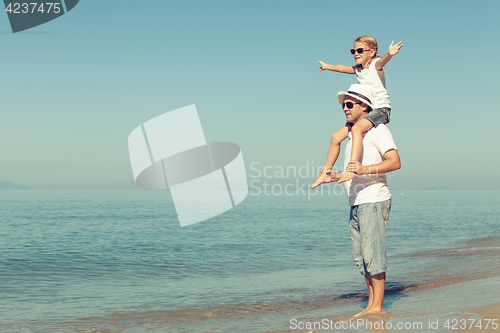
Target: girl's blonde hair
370	41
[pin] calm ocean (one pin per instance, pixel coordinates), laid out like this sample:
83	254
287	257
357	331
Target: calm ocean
118	261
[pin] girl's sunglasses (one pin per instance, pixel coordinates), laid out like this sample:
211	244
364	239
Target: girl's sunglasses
349	105
359	50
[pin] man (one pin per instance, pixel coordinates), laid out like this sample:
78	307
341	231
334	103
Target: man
368	194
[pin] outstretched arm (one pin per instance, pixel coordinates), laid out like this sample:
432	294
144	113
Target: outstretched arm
393	50
390	163
337	68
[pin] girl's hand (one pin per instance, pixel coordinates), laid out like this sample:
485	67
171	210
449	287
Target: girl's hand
394	49
322	68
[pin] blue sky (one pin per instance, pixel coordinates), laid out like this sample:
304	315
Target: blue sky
74	88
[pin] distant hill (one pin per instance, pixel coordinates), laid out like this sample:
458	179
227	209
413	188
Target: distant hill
12	186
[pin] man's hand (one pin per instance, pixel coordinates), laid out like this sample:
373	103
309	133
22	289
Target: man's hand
347	176
394	49
390	163
356	167
351	171
322	68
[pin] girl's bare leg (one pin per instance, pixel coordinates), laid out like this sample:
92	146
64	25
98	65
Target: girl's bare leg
331	157
358	129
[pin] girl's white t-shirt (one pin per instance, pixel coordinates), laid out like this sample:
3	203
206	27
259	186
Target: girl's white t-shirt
375	80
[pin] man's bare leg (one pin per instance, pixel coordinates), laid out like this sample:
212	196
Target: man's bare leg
378	283
369	286
376	292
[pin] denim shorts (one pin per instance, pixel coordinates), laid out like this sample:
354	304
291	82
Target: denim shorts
379	116
367	224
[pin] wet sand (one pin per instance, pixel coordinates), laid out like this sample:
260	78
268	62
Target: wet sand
491	311
487	312
417	309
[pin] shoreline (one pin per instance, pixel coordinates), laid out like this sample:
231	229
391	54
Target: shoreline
254	279
423	304
434	309
462	281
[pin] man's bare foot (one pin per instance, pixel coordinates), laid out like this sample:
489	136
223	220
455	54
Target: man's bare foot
367	311
324	177
359	314
348	175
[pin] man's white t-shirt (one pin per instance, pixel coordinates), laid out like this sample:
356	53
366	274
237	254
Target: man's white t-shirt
369	188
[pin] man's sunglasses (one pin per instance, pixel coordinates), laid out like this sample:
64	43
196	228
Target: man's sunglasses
359	50
349	105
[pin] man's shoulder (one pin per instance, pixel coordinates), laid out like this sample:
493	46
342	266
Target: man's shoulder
379	130
381	138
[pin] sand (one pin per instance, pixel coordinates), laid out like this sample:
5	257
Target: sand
487	312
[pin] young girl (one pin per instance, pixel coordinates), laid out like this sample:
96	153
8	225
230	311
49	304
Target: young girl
370	72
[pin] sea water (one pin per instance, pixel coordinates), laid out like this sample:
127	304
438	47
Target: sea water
118	261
